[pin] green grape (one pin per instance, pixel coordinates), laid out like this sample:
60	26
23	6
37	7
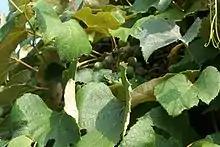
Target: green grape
109	59
140	71
132	61
130	71
98	65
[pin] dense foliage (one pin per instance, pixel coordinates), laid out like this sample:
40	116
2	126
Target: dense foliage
105	73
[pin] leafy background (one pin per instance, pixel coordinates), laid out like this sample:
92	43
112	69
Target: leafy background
107	73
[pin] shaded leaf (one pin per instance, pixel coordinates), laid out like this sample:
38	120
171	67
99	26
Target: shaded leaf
33	118
142	133
11	34
22	77
10	93
99	108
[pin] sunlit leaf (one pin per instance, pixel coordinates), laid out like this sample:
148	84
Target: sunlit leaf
70	100
99	108
20	141
178	93
33	118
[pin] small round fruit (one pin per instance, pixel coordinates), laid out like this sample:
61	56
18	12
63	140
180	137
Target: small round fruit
109	59
132	61
98	65
130	71
140	71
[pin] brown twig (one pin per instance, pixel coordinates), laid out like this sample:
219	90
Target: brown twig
25	64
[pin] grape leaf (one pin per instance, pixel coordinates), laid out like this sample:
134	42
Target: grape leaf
153	33
179	93
30	116
142	134
69	37
156	33
72	41
99	108
47	20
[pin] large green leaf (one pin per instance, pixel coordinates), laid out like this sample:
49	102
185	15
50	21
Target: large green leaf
179	93
100	111
47	20
143	5
153	33
69	37
143	133
72	41
11	34
31	117
156	33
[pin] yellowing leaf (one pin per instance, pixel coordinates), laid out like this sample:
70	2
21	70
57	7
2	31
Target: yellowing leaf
106	20
70	101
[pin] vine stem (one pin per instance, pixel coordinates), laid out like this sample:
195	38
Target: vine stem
15	6
25	64
85	62
128	3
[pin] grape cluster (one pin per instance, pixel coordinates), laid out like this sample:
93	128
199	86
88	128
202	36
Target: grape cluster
128	54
